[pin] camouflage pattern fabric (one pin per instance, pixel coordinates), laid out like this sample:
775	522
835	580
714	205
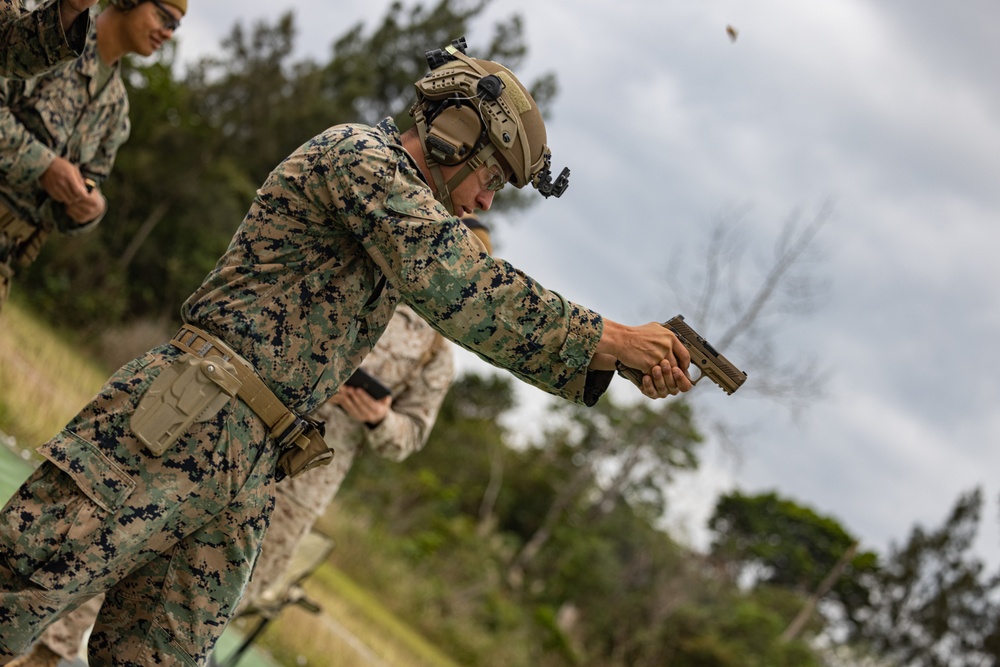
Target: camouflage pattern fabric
268	590
59	114
34	42
418	366
298	291
339	232
412	360
65	636
170	539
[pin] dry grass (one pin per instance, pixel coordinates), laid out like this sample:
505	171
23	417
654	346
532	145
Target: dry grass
354	630
119	345
44	381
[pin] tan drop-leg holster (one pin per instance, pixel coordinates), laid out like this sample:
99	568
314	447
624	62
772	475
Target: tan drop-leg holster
196	386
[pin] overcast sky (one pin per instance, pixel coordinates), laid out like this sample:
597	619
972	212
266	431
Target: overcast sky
889	110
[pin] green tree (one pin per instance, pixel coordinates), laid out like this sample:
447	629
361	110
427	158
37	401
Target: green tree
785	544
639	447
608	587
374	74
933	604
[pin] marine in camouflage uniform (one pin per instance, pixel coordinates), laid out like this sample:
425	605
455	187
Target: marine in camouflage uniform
37	41
410	358
74	112
342	230
63	128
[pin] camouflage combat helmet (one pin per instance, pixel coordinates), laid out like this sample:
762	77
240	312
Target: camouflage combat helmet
472	112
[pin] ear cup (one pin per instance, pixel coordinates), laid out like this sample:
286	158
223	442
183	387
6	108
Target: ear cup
454	134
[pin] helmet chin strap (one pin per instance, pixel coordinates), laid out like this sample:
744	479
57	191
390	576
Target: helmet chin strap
441	190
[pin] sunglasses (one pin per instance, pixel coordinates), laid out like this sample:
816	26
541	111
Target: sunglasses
167	19
493	177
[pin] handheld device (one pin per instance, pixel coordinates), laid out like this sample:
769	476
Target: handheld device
369	383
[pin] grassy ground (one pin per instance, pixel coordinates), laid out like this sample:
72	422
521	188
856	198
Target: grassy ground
354	630
44	381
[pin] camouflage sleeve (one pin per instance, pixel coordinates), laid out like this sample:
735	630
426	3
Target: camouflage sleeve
23	158
34	42
412	415
483	304
115	134
99	168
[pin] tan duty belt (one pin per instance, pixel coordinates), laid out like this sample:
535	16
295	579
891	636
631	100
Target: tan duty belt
284	426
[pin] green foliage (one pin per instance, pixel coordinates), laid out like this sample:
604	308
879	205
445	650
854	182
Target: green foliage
741	632
788	545
606	588
928	603
374	74
933	604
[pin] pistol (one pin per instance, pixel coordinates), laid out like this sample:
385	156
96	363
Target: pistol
706	358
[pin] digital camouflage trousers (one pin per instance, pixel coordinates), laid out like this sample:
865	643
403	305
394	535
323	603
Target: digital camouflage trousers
171	539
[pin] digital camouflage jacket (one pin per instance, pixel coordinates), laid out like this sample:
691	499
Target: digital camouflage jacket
34	42
59	114
338	234
343	229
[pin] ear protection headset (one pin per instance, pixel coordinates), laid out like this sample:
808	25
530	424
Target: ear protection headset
453	125
453	133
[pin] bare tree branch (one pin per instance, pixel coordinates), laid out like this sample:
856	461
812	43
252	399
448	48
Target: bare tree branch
792	245
721	291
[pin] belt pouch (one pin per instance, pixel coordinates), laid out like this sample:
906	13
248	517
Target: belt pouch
192	389
307	450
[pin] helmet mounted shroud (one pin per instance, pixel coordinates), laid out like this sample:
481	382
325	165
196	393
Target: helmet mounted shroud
472	112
